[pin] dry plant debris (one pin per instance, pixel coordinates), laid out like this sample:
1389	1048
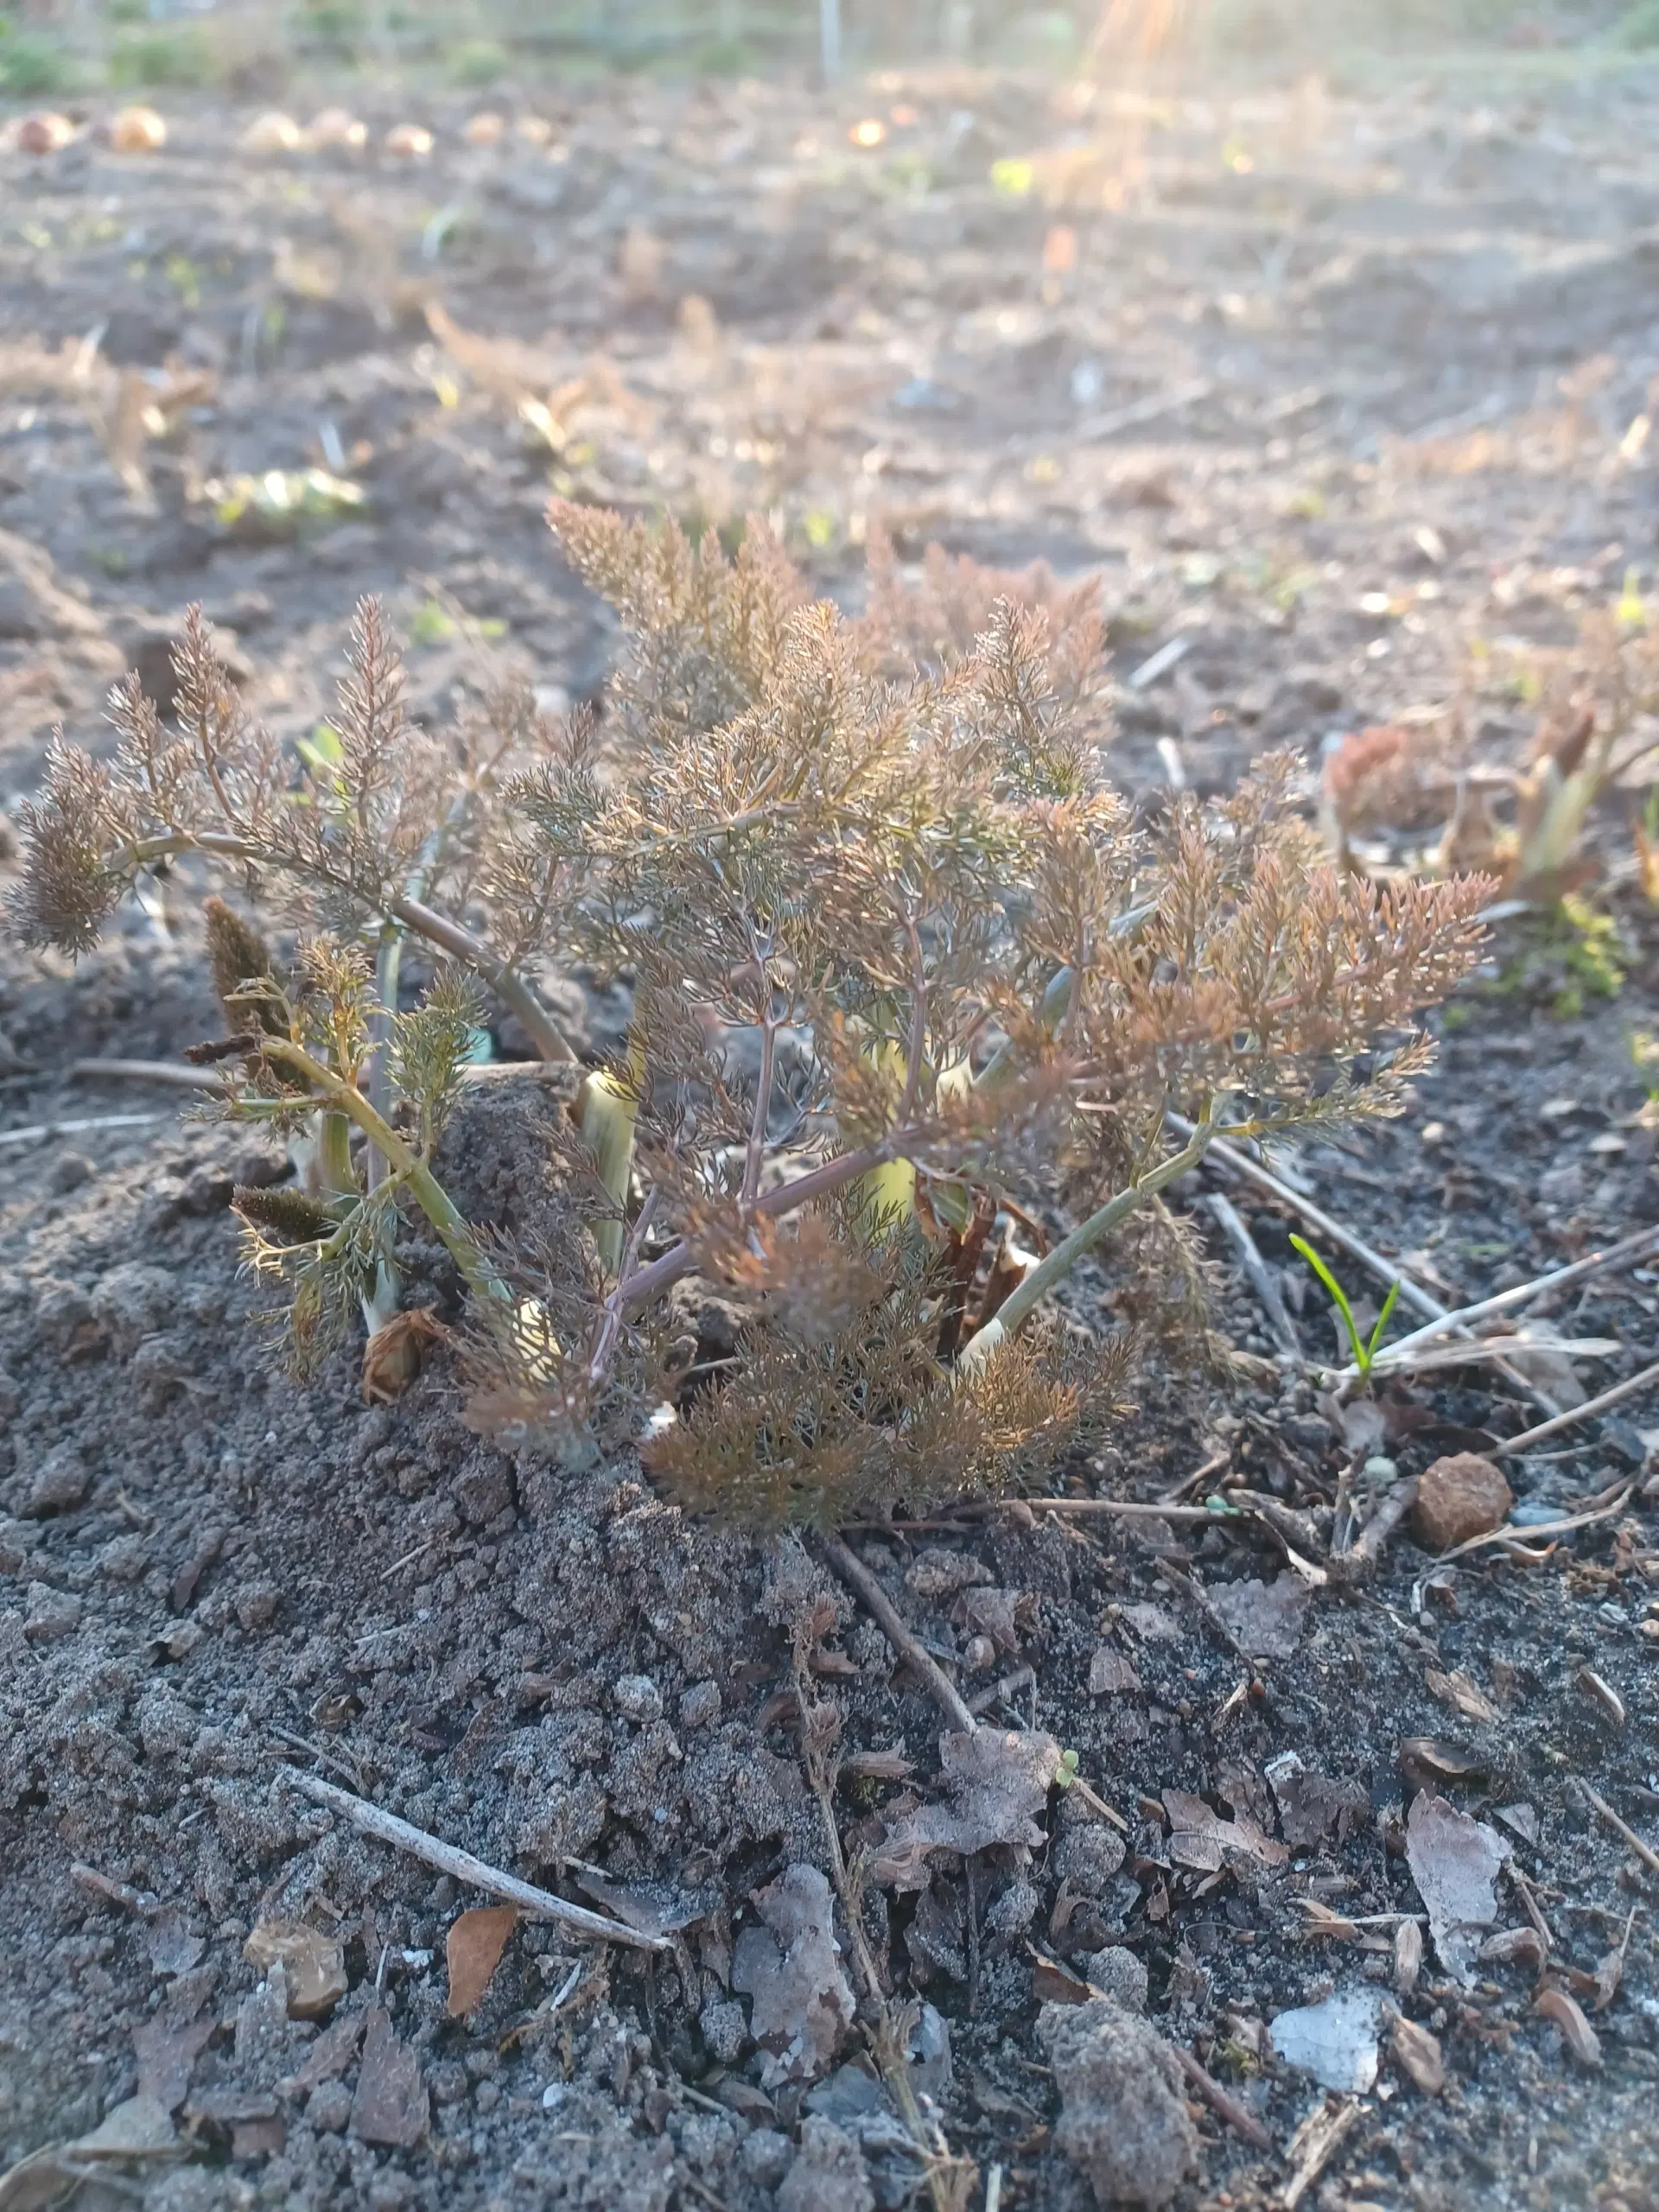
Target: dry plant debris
1335	2041
791	1966
471	1951
1455	1862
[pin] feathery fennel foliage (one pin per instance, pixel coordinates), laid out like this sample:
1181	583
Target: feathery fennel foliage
909	979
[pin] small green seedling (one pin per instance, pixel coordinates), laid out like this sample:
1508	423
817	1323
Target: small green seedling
1066	1773
1364	1348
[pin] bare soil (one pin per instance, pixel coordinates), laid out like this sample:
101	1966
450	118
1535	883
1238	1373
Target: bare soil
1329	385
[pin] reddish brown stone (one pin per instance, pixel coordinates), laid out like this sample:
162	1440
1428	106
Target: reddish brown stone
1458	1497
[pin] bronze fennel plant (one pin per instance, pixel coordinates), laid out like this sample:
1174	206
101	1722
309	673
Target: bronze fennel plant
908	979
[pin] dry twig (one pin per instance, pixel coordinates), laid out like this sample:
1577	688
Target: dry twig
1411	1294
1625	1832
1228	2109
852	1571
1523	1536
1257	1272
1630	1387
386	1828
1627	1252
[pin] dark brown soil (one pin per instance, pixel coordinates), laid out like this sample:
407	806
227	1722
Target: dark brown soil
206	1572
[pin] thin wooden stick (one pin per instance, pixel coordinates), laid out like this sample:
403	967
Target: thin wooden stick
37	1132
1256	1272
1361	1558
1630	1249
1510	1534
386	1828
1648	1857
179	1075
1127	1507
1645	1380
852	1571
1228	2109
1411	1294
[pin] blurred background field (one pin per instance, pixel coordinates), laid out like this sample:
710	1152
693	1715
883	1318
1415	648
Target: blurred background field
259	47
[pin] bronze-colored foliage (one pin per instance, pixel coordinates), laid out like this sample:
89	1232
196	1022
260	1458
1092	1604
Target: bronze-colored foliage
913	997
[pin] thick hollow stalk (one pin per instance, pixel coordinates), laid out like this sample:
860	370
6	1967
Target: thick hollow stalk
335	1155
1083	1238
433	1200
387	968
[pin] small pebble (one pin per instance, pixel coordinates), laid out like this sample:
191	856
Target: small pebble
700	1707
50	1613
637	1698
725	2029
1460	1497
1117	1973
765	2157
329	2108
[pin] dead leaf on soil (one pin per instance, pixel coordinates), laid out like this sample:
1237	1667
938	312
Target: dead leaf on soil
390	2106
1459	1691
1407	1957
1323	1922
1513	1946
877	1766
1523	1819
329	2056
1417	2054
1314	1806
1424	1760
1152	1624
1264	1618
1334	2041
141	2128
1581	2040
1202	1839
1053	1984
1110	1673
998	1784
173	1945
1610	1972
314	1965
803	2002
471	1951
167	2051
1454	1861
998	1614
653	1908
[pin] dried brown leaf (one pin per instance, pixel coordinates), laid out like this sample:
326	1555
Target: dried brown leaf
1518	1946
803	2003
471	1951
1110	1673
997	1786
1553	2004
1454	1861
1417	2053
391	2103
314	1965
1204	1839
1465	1695
1264	1618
